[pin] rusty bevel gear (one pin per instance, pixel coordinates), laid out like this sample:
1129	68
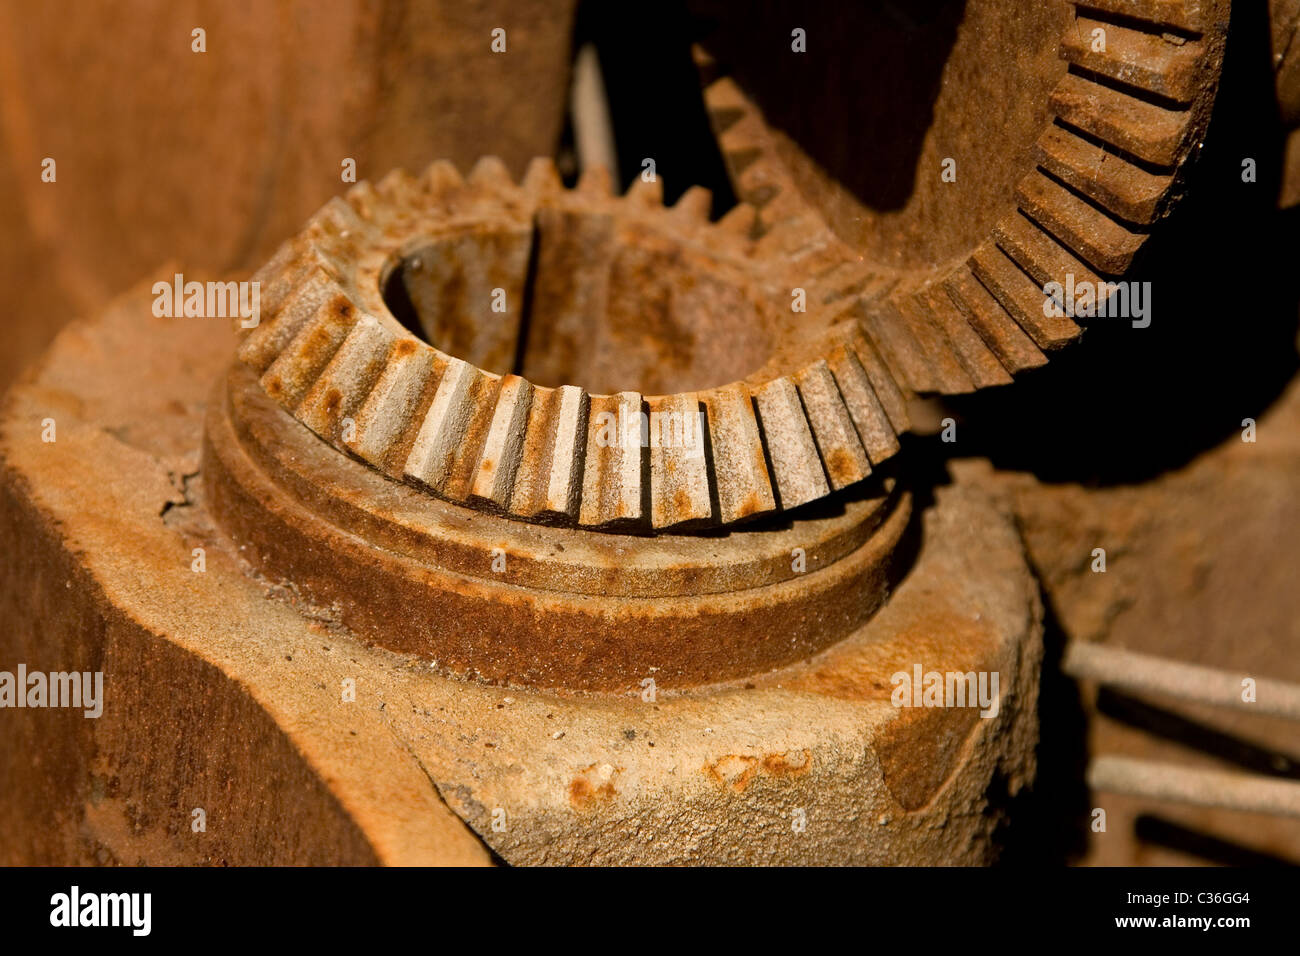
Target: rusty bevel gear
815	417
1126	116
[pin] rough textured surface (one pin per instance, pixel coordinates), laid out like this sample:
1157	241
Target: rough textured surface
214	157
1199	568
230	687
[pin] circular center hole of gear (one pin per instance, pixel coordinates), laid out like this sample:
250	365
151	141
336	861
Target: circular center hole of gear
585	300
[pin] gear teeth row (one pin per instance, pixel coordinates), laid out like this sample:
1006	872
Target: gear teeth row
1095	236
1001	333
1192	16
838	443
1127	115
1121	187
1021	297
335	359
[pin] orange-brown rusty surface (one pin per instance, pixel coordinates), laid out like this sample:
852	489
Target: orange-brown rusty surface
597	778
582	291
516	626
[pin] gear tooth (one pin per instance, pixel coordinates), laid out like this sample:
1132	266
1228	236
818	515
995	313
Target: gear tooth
399	189
442	178
367	202
336	223
494	477
741	480
297	306
838	444
1095	237
797	471
548	485
739	221
1021	297
883	383
491	172
724	92
1014	349
726	104
399	399
1125	189
568	455
1188	15
650	194
452	431
596	181
294	370
679	472
1035	251
346	379
293	263
1150	132
796	238
840	282
909	360
694	205
1137	58
980	364
864	408
282	263
542	179
611	480
704	62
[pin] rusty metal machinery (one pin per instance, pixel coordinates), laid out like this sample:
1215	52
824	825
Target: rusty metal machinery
594	508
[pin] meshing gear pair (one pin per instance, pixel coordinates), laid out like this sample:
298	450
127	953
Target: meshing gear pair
807	353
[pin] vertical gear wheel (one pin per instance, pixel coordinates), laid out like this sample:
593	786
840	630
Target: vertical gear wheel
1127	115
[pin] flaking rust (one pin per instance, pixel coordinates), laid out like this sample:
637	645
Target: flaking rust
572	525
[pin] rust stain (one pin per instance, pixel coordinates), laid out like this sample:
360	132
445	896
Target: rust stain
737	771
591	788
920	750
317	343
843	469
781	765
733	770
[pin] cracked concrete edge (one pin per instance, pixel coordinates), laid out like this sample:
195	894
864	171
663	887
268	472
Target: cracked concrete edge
358	794
731	765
